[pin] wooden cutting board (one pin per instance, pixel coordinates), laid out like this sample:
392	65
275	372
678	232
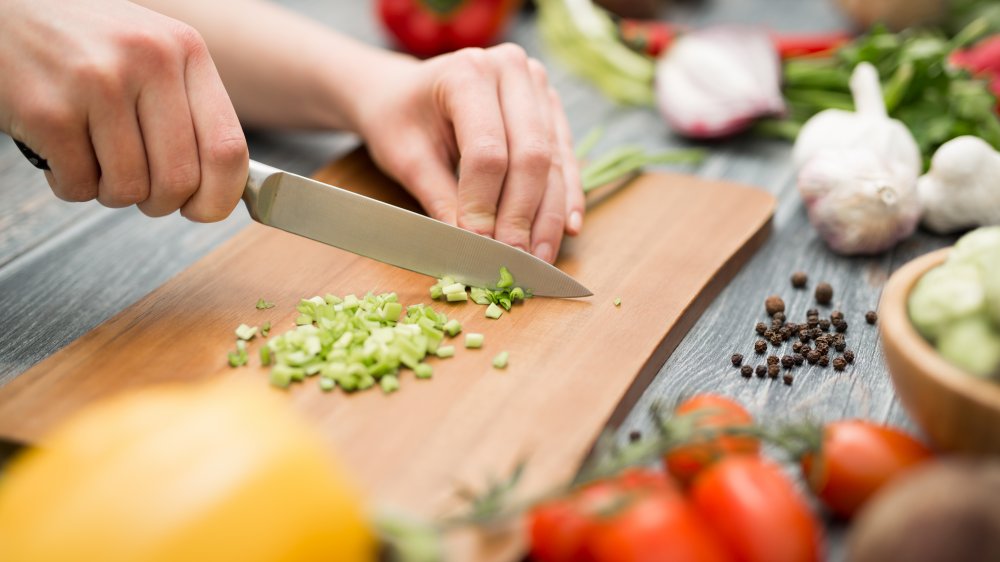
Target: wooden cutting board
665	244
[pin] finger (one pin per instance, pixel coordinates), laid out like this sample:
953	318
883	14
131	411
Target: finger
73	170
575	202
121	155
222	148
171	146
427	174
473	106
529	145
550	220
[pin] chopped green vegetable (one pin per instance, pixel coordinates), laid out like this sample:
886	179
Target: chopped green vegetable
452	327
245	332
493	311
265	329
446	351
618	301
265	355
473	340
326	385
263	304
389	384
423	371
506	279
500	361
453	288
237	358
457	297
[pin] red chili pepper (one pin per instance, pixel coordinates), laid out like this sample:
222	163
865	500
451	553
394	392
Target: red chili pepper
795	45
648	37
431	27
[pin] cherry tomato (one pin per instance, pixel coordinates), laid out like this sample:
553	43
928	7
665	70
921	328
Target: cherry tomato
856	458
687	461
431	27
756	511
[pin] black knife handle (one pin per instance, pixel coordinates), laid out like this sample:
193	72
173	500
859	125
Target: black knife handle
33	157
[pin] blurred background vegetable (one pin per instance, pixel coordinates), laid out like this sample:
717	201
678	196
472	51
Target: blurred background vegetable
431	27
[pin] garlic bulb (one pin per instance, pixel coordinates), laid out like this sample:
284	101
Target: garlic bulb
858	172
962	188
716	81
869	126
858	202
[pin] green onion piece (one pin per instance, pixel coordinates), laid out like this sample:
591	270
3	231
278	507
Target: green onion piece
237	359
389	384
457	297
436	291
423	371
506	279
452	327
500	361
453	288
391	311
263	304
493	311
473	340
281	378
245	332
480	295
445	351
326	385
265	355
517	294
265	329
618	301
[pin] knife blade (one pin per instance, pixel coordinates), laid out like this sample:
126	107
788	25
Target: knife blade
386	233
396	236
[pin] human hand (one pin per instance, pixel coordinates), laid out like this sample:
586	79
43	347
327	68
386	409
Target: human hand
492	114
125	104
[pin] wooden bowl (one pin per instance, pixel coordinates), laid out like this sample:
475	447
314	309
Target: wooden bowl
958	411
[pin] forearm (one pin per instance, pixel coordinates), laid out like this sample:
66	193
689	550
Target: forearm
281	69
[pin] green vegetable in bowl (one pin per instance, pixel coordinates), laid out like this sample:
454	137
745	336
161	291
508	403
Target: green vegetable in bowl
956	306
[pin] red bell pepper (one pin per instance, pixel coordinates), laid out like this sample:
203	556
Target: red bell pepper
982	60
430	27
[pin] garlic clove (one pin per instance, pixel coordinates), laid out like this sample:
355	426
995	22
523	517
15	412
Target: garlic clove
859	203
716	81
962	187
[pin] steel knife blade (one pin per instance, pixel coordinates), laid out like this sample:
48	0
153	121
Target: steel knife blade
396	236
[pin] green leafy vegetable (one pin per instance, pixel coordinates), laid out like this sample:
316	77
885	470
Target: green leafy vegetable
263	304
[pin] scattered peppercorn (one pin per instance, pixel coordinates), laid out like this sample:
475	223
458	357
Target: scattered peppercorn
634	435
841	326
816	333
799	358
793	327
788	379
871	317
746	371
812	357
797	347
799	279
761	371
760	347
849	356
823	348
824	360
824	293
836	315
768	334
805	349
840	345
772	371
773	305
787	362
824	324
812	322
804	336
761	328
776	325
812	312
776	340
839	363
772	359
779	317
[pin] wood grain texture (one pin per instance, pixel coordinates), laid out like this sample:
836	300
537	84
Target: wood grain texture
657	243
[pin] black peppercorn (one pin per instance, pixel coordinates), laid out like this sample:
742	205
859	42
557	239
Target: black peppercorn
787	362
824	324
772	371
799	279
634	435
761	328
768	334
836	315
773	305
737	359
797	347
841	326
805	349
812	322
776	340
816	332
812	357
824	360
823	348
761	371
799	358
840	345
839	363
788	379
812	312
849	356
804	336
779	317
776	326
824	293
772	359
760	347
793	327
746	371
871	317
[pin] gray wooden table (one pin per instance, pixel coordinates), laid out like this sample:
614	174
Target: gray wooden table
64	268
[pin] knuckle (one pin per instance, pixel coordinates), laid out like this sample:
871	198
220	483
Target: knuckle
538	72
124	192
487	156
534	154
106	78
187	39
47	118
178	183
229	152
511	53
76	192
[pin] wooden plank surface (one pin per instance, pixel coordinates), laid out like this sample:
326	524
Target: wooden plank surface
657	243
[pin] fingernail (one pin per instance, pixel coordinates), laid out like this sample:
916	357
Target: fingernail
543	251
575	221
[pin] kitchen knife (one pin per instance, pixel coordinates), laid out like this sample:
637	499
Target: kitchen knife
387	233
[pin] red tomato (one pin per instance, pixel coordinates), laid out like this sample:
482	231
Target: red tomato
431	27
687	461
756	511
638	516
856	458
